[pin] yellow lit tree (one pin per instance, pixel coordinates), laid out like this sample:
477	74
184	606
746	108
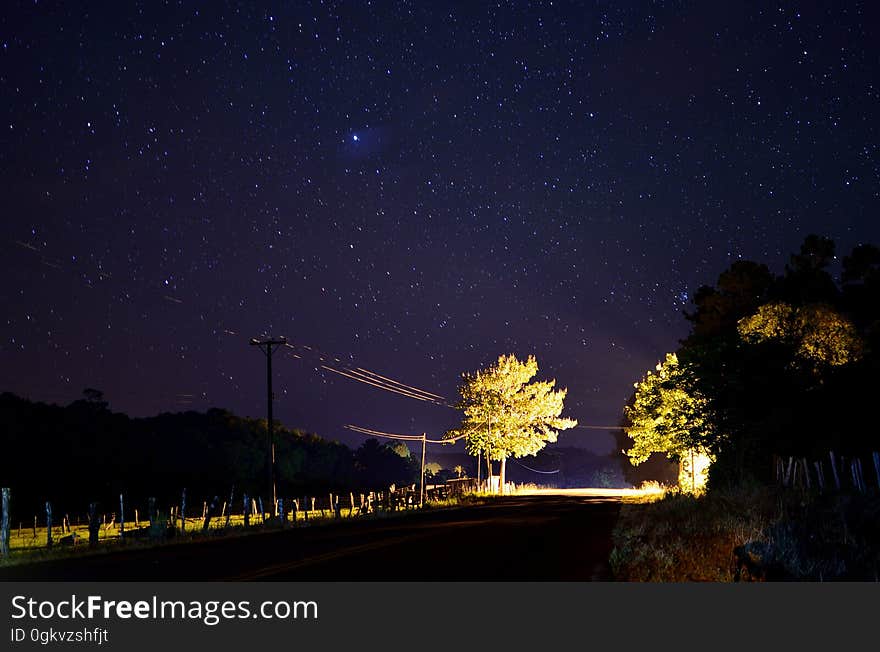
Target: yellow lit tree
819	334
507	415
669	416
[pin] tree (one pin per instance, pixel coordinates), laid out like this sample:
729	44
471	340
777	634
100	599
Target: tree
669	416
505	414
818	333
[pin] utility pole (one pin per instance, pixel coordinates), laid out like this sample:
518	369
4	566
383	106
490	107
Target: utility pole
422	491
266	346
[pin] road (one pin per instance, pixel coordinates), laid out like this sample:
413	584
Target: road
544	536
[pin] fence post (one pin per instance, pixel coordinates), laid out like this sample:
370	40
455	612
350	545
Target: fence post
121	517
183	511
229	513
247	510
855	475
787	479
208	511
834	470
4	522
94	525
48	524
262	511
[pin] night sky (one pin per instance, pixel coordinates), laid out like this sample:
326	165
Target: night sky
412	188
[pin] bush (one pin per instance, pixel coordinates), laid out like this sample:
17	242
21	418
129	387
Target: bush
749	533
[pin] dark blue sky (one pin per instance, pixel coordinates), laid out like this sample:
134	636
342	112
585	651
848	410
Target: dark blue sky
413	188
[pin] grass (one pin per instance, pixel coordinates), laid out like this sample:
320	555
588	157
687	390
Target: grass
29	545
752	533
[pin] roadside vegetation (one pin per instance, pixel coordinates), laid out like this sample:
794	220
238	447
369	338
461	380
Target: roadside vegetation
775	367
752	533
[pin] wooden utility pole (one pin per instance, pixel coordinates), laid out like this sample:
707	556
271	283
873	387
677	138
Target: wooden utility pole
422	492
266	346
4	523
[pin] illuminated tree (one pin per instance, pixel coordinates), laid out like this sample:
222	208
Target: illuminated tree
669	416
505	414
819	334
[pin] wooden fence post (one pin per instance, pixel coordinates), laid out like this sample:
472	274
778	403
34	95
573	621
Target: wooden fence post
806	472
787	478
4	522
208	511
834	470
229	513
48	524
183	511
121	517
94	525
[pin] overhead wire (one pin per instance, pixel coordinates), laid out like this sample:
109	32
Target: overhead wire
536	470
391	435
368	377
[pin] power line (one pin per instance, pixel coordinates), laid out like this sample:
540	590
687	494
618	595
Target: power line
536	470
391	435
386	435
368	377
410	387
348	374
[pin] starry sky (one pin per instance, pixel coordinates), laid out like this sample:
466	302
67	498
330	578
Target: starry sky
408	188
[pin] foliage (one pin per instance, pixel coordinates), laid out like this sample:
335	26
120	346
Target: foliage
83	452
773	364
668	415
506	413
750	532
818	333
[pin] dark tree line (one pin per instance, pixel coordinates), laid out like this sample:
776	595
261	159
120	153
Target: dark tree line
83	452
788	362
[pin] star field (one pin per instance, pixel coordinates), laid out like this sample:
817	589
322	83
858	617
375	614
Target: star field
414	188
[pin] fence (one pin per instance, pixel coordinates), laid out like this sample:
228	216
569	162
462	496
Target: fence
93	527
844	473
